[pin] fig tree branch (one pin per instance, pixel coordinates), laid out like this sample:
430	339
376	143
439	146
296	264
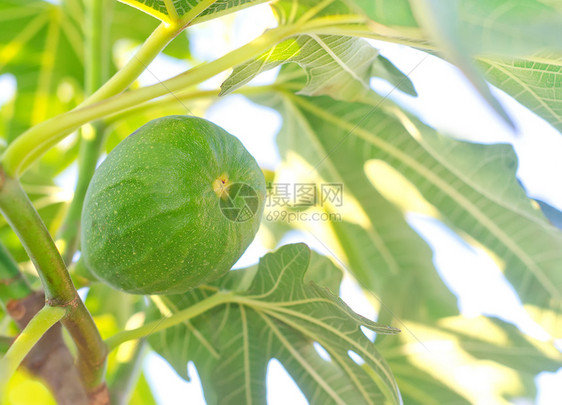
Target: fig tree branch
59	290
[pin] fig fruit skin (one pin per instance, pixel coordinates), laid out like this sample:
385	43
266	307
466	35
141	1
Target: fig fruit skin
152	221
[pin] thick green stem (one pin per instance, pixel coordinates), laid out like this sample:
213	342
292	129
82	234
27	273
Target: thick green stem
127	375
32	144
59	290
175	319
41	323
92	352
13	285
35	238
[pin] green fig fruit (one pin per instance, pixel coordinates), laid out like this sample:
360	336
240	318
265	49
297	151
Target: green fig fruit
172	206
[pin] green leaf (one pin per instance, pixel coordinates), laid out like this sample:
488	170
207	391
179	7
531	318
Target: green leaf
386	70
536	85
184	12
553	214
507	27
278	317
223	7
41	45
441	20
552	3
161	9
501	27
370	236
473	187
388	12
128	24
338	66
429	368
335	65
293	12
323	272
520	31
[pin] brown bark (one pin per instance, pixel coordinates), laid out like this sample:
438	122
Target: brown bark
50	359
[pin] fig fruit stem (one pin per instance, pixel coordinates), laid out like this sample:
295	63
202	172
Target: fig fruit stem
35	329
197	309
59	290
31	145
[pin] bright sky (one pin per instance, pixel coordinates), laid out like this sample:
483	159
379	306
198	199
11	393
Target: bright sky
445	101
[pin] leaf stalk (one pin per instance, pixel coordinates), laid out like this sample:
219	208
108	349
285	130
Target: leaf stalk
32	144
35	329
